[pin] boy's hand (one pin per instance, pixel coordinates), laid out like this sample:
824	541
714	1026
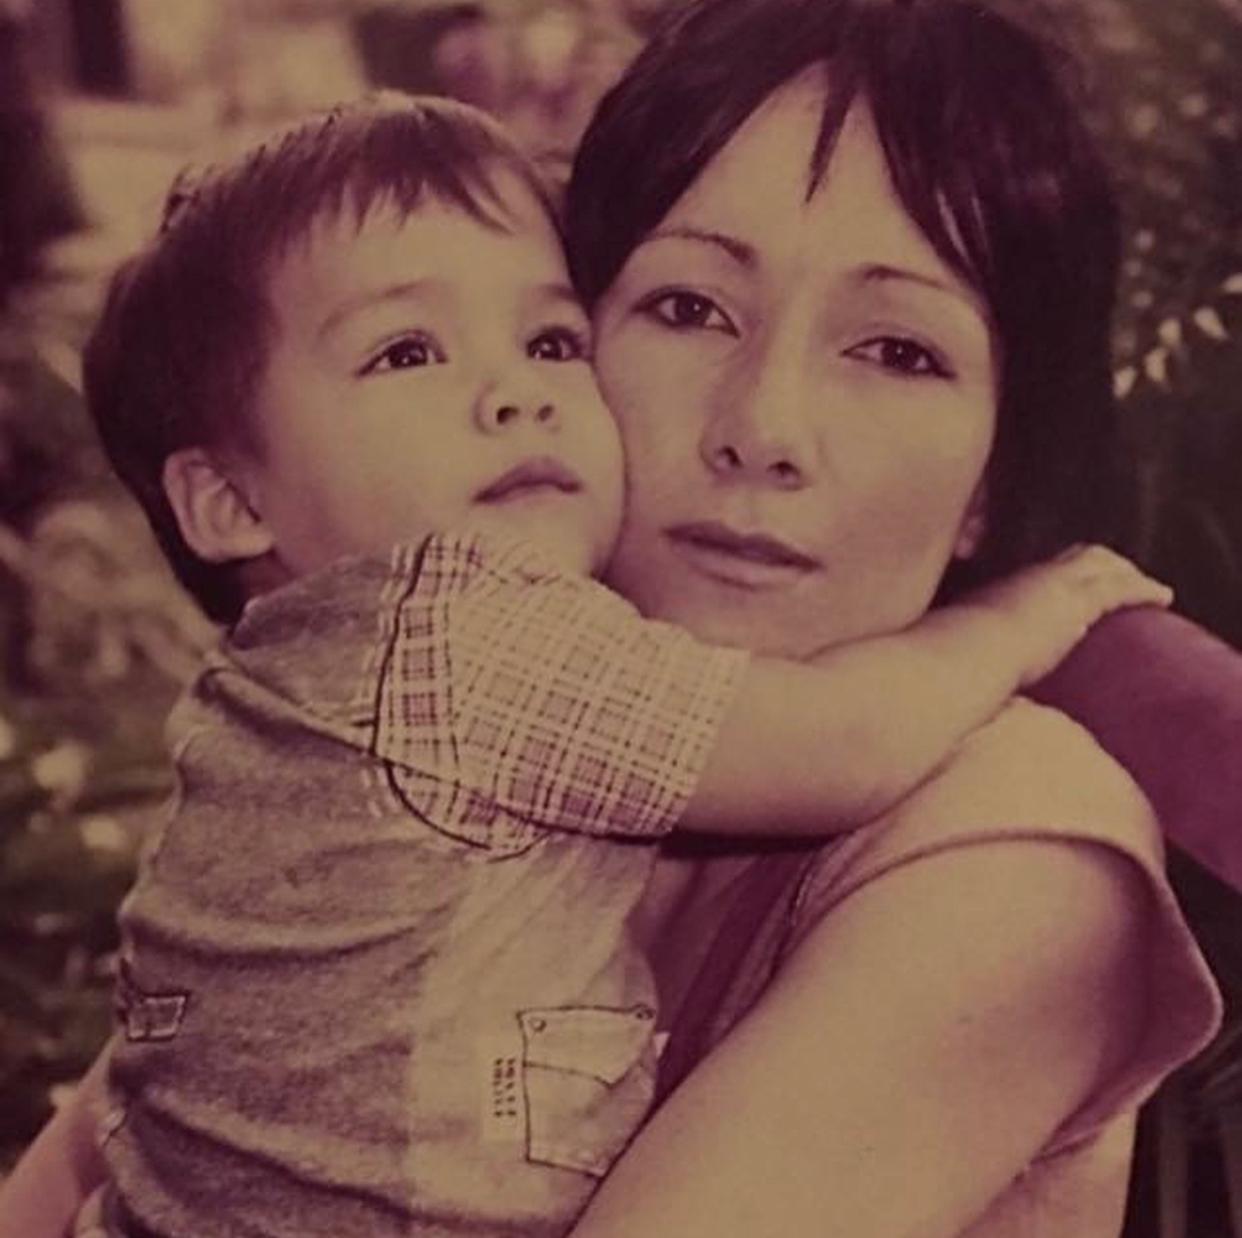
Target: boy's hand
1052	605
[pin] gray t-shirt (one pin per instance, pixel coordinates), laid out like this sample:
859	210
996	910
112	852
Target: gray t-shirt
375	975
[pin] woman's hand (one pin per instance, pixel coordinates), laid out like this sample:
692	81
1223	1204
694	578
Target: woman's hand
42	1195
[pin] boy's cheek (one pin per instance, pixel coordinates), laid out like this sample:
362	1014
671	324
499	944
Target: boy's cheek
582	382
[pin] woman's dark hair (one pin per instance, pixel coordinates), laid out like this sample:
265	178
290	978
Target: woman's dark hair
979	117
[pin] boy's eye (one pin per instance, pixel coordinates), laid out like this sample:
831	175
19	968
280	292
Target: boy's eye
683	310
902	355
404	354
557	344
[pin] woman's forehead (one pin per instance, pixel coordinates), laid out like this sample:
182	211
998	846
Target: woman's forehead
777	140
760	200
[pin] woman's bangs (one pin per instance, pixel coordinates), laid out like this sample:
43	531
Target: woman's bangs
940	192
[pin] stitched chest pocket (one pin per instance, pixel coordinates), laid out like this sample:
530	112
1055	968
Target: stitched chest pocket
589	1075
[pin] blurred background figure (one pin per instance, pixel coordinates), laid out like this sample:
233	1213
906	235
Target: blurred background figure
540	66
37	200
448	49
468	59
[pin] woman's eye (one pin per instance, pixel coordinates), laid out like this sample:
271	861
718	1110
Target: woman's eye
688	311
902	355
558	344
405	354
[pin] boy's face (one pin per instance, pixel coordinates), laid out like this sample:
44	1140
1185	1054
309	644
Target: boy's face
427	374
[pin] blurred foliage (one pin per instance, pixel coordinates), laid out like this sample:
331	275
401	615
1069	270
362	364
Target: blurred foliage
1183	440
94	639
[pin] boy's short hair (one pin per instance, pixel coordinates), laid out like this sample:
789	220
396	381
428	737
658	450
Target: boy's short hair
181	345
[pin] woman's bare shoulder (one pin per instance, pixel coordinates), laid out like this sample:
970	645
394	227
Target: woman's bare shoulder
1033	767
984	991
1031	774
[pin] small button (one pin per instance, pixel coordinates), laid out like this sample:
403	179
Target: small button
644	1012
538	1025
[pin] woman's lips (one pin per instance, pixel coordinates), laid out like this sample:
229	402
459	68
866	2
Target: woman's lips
752	560
542	475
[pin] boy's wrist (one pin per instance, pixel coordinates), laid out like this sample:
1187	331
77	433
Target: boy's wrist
986	636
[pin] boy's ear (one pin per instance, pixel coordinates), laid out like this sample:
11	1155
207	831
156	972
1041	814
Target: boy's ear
974	523
215	517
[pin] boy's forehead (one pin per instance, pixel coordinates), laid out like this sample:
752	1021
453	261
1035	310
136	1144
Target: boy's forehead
503	205
344	256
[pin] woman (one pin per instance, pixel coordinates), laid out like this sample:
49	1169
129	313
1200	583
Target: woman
852	265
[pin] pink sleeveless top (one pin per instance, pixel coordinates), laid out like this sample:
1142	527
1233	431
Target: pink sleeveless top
1030	774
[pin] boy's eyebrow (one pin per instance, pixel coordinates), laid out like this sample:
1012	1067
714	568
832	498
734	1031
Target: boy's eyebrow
368	299
556	290
553	290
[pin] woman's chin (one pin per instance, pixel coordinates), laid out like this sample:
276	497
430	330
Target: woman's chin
762	611
722	611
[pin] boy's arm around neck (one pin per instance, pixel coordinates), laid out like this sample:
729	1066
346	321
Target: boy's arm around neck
829	746
823	747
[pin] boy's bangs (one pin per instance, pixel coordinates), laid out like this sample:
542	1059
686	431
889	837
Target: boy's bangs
398	161
395	169
474	195
347	162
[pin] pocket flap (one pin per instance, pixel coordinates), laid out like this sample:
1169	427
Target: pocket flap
597	1041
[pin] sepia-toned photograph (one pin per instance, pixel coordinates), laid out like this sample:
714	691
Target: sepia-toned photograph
620	618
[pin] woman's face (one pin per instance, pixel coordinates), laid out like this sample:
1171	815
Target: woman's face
805	391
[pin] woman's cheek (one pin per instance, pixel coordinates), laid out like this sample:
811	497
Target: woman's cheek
654	382
631	387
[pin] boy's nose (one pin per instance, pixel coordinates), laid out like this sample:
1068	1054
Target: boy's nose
497	415
503	405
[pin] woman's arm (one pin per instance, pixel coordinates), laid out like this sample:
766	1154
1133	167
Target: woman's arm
1164	697
42	1195
921	1046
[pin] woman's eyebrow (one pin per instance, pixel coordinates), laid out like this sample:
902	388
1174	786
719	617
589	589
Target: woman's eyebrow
882	273
741	252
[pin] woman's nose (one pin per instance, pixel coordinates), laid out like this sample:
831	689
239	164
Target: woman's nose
511	401
761	436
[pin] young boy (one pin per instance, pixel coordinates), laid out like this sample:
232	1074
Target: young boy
375	976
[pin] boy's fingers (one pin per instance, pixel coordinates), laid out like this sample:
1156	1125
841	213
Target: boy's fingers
1128	587
1071	552
1101	559
1105	571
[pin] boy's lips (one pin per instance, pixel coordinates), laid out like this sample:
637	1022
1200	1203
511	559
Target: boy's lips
540	473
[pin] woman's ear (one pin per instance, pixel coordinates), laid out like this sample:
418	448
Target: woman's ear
974	523
214	515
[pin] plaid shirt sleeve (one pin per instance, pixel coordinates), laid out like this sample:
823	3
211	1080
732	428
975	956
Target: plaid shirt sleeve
515	696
